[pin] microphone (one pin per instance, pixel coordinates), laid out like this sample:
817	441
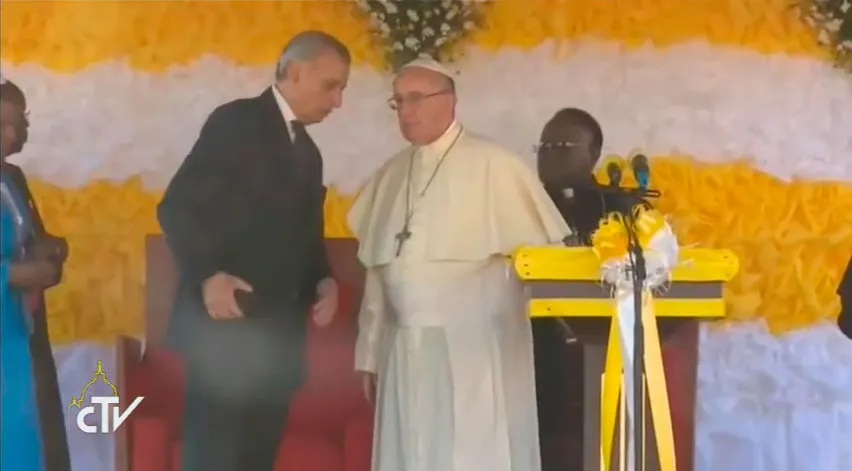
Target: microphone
608	172
613	170
641	170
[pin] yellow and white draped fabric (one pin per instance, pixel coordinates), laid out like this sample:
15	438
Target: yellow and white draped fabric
660	249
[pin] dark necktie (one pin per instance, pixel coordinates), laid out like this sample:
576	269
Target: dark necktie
302	147
300	135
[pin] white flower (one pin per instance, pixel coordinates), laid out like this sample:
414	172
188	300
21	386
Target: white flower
833	26
377	19
412	43
436	23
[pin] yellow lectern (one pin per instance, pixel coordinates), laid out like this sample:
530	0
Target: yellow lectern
566	282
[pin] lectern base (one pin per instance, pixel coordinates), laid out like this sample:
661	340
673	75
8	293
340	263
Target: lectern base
680	358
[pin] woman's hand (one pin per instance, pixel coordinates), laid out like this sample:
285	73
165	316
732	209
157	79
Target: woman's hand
39	274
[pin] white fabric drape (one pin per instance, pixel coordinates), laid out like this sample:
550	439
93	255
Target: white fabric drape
774	403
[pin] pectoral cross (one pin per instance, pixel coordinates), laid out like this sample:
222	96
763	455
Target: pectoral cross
401	237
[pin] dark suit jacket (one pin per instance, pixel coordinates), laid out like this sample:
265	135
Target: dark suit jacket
249	202
47	389
845	292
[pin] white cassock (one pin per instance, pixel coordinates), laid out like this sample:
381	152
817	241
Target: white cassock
444	323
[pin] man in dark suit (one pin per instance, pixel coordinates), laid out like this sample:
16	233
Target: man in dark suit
243	216
50	408
844	289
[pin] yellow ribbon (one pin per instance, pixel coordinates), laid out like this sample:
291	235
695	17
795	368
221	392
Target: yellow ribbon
610	392
658	393
610	240
655	379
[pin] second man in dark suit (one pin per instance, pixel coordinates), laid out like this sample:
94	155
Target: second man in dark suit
243	217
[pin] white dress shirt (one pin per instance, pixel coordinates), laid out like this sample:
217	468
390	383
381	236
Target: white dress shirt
286	112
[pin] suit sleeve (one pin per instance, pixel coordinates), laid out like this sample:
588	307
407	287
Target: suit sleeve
196	212
322	268
371	324
845	292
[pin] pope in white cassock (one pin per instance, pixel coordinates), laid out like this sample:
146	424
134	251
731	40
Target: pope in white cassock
443	333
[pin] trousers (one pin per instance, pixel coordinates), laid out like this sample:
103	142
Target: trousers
238	396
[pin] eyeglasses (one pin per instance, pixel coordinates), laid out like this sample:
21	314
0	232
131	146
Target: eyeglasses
24	117
414	99
552	146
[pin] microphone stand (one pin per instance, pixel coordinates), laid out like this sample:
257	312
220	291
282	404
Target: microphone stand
639	275
638	271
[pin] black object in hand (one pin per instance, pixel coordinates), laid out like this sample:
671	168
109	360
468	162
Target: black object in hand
48	248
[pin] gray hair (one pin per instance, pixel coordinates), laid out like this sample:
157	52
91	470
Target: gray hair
306	46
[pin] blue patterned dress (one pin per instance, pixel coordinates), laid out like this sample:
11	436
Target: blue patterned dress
20	434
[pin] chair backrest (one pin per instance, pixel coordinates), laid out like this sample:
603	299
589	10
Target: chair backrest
161	279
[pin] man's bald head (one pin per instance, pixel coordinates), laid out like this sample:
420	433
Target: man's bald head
577	126
425	102
13	119
569	147
9	92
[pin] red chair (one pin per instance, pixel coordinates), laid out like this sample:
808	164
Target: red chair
330	424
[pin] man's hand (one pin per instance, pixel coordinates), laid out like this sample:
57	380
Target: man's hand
219	299
368	383
49	247
326	307
38	274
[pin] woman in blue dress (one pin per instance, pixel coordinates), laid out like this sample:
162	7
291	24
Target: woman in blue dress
20	270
